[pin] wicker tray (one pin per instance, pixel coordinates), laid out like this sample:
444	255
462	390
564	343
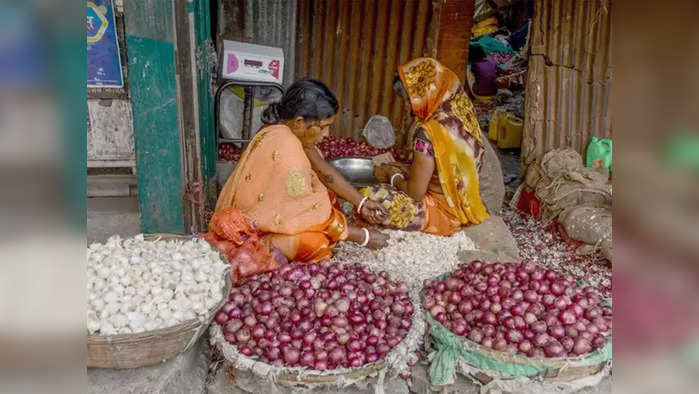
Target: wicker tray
155	346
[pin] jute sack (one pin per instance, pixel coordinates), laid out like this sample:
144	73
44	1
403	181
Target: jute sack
561	181
589	224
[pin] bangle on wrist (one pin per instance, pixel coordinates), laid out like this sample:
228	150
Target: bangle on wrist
361	204
366	237
394	177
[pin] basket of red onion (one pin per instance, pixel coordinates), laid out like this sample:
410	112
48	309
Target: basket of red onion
518	320
317	324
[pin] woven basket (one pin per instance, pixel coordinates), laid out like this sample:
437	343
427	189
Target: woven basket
302	378
151	347
562	369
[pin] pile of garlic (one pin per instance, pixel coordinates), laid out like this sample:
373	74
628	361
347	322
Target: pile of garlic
410	256
135	285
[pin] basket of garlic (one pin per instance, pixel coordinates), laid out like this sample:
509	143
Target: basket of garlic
150	297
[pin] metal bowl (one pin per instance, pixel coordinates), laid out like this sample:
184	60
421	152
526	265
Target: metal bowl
358	171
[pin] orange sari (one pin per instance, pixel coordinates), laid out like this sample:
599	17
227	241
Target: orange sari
447	115
274	185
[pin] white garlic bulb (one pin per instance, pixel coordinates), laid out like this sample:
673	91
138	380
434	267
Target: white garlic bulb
136	285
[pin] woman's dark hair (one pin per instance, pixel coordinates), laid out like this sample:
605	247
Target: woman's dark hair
476	54
307	98
399	88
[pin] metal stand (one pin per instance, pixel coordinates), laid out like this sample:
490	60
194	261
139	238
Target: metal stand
246	133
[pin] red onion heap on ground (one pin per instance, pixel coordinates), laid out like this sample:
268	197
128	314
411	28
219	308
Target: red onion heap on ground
334	147
520	308
318	316
229	152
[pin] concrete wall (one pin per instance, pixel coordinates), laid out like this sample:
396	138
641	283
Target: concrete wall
110	141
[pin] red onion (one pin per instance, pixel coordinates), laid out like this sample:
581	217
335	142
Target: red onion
291	356
514	336
250	321
599	342
541	339
554	349
489	318
221	318
582	346
571	332
567	317
453	283
548	299
558	288
230	338
531	296
337	355
475	335
242	336
500	344
459	327
561	302
557	332
567	343
592	313
529	318
454	298
525	346
585	335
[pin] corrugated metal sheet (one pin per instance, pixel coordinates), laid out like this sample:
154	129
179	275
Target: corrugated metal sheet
355	48
570	75
269	22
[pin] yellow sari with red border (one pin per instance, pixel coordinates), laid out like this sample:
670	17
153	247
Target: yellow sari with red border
447	115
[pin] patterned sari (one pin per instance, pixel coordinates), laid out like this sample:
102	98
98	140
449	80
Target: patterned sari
454	138
274	185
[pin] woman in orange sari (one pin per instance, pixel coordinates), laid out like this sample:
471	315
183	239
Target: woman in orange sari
281	181
439	192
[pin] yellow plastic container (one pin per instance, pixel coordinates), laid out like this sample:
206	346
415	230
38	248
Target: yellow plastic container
493	126
506	129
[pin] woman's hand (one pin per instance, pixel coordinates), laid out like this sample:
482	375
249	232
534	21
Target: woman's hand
384	172
377	240
373	212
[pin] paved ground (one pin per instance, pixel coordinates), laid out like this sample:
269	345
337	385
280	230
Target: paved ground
112	215
510	162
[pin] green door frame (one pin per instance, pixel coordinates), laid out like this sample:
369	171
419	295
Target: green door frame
168	46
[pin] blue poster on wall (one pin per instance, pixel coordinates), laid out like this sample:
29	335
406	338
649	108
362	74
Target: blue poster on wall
103	62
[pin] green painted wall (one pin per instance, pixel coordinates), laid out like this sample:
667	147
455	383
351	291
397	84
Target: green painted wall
154	102
204	47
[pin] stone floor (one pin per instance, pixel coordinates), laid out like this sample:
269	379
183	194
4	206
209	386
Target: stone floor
112	215
510	162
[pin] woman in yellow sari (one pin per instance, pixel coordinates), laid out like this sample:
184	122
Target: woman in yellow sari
439	192
281	181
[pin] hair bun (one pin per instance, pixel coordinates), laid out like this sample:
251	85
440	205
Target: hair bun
271	114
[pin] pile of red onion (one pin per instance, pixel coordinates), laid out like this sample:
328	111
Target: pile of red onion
520	308
333	147
318	316
229	152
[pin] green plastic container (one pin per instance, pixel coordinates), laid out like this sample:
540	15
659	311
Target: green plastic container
599	150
